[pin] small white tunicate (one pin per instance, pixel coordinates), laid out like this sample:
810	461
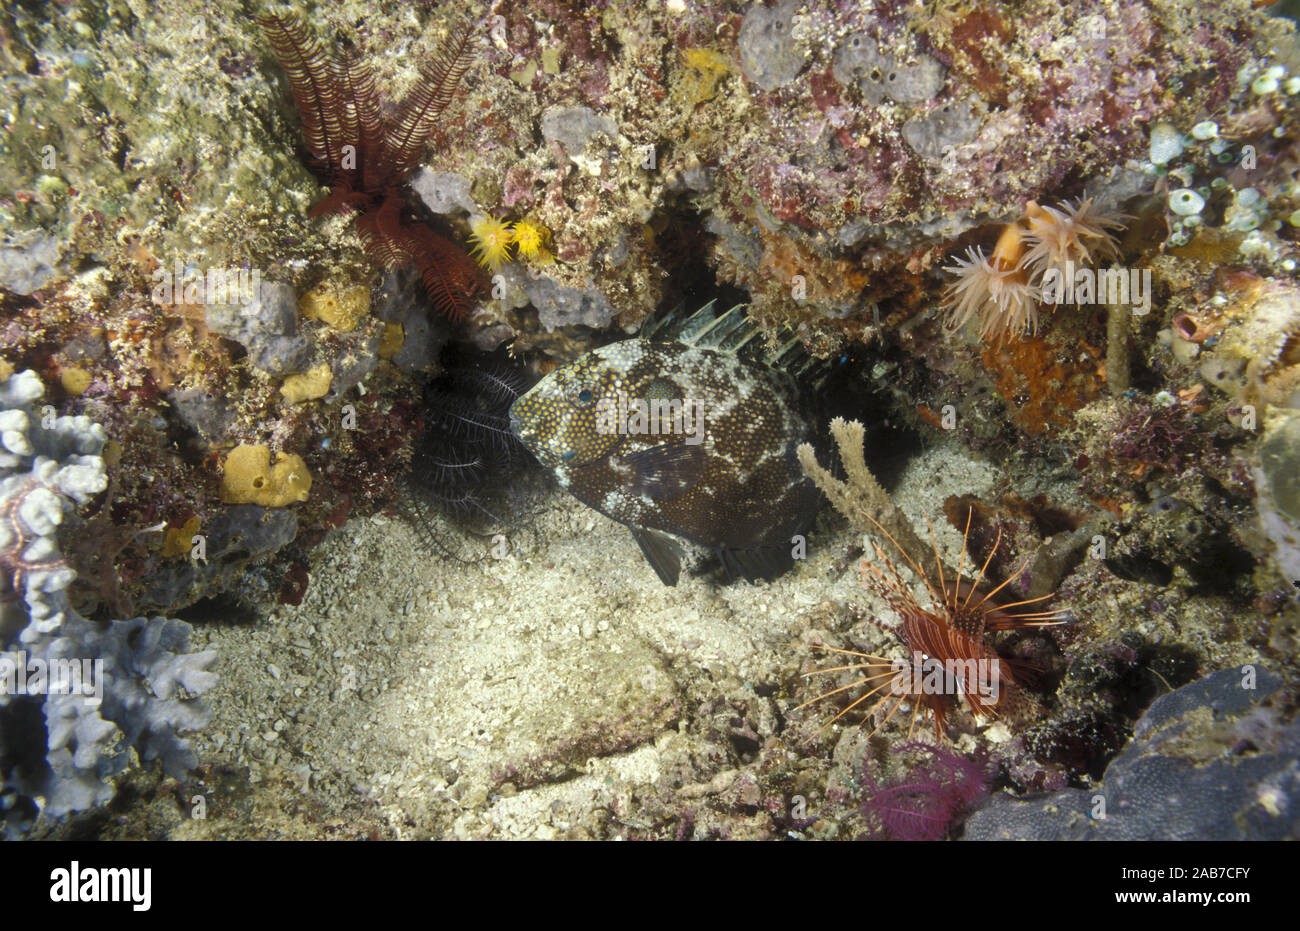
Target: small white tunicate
1276	71
1206	129
1185	202
1218	145
1247	197
1264	84
1166	143
1291	85
1243	220
1184	350
1255	246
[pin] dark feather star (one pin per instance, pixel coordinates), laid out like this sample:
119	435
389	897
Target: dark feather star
716	467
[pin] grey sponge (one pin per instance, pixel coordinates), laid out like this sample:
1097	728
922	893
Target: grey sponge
1209	761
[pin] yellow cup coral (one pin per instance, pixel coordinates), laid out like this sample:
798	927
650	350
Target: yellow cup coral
492	239
530	239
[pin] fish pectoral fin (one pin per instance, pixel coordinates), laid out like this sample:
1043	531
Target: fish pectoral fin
667	470
661	552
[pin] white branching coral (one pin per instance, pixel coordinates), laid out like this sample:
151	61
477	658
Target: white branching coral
858	495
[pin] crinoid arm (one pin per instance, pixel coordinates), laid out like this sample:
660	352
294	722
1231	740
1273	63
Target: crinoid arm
365	158
420	113
450	277
321	88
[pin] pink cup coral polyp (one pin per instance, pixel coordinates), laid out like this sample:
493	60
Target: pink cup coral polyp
1005	289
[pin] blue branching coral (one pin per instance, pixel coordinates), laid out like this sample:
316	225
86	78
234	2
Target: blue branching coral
60	746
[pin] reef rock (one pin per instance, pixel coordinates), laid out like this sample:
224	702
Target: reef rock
1277	478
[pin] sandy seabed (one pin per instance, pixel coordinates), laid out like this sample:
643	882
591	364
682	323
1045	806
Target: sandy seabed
534	695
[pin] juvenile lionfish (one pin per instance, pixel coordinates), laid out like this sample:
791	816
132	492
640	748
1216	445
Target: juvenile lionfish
948	654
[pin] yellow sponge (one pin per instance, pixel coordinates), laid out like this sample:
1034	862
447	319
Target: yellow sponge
391	340
311	384
340	306
75	380
249	478
177	540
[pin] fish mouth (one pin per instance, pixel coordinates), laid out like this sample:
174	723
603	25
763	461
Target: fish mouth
528	440
517	423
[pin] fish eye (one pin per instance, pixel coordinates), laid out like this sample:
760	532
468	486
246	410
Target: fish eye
584	396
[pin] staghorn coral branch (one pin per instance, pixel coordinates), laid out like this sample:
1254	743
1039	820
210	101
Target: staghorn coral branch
860	498
1117	351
